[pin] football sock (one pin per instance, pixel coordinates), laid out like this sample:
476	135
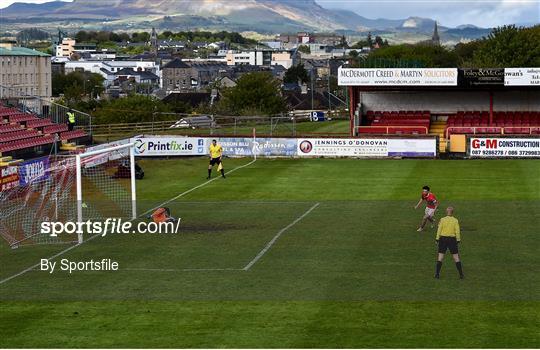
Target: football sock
209	172
438	269
222	172
459	268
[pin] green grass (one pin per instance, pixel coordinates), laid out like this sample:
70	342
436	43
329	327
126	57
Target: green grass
352	273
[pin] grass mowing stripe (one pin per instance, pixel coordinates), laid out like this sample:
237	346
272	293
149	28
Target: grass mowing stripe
273	240
194	188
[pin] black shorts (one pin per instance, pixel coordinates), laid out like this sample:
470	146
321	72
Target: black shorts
448	243
214	161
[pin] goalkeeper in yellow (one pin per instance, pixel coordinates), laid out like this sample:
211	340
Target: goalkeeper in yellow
216	152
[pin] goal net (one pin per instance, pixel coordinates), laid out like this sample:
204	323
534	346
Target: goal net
93	186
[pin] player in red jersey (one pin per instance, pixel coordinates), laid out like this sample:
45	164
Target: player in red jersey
431	206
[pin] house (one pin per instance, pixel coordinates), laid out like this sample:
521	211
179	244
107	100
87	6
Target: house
140	77
176	76
179	75
219	45
283	58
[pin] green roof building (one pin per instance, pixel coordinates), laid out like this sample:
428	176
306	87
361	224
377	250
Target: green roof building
24	72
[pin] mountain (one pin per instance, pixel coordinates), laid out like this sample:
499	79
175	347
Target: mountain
21	9
264	16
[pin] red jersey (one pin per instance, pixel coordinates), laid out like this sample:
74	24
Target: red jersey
430	199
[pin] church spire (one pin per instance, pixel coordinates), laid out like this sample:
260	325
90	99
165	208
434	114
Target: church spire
435	39
154	41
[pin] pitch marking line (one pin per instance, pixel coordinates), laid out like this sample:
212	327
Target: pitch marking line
7	279
196	187
273	240
251	263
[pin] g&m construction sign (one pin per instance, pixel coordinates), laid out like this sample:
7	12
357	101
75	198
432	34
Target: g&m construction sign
492	147
397	76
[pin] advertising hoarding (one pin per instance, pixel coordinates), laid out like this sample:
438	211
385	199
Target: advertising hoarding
397	76
493	147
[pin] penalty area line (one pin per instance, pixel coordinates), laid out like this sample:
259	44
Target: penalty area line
7	279
196	187
250	264
273	240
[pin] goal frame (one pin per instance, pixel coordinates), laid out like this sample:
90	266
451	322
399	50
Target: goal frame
78	166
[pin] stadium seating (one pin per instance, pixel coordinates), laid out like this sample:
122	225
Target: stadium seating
55	128
9	127
396	122
21	131
507	122
26	143
70	135
38	123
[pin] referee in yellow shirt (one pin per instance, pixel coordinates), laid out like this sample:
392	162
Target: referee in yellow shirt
216	152
448	237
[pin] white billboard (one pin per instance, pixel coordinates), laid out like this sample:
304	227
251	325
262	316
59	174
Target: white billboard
522	76
493	147
397	76
170	146
376	147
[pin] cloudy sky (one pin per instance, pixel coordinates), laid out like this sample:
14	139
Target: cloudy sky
482	13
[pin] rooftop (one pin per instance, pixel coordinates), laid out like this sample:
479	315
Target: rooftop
20	51
176	63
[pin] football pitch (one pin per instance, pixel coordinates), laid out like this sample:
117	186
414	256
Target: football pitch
296	253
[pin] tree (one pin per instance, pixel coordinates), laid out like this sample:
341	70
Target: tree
304	49
509	46
428	55
254	93
379	41
369	40
140	37
77	85
131	109
360	44
296	73
342	43
465	52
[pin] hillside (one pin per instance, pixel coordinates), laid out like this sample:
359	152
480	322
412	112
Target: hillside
263	16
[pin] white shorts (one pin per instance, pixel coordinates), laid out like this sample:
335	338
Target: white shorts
430	212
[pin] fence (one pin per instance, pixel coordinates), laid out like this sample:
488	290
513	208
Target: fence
44	107
511	130
278	125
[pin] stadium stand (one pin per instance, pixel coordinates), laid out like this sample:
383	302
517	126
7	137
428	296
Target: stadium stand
462	122
396	122
23	131
507	122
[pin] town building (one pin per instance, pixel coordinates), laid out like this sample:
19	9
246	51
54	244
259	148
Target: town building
179	75
24	72
260	58
65	48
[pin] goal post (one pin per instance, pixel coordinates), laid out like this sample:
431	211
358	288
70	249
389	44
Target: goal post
100	191
93	185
